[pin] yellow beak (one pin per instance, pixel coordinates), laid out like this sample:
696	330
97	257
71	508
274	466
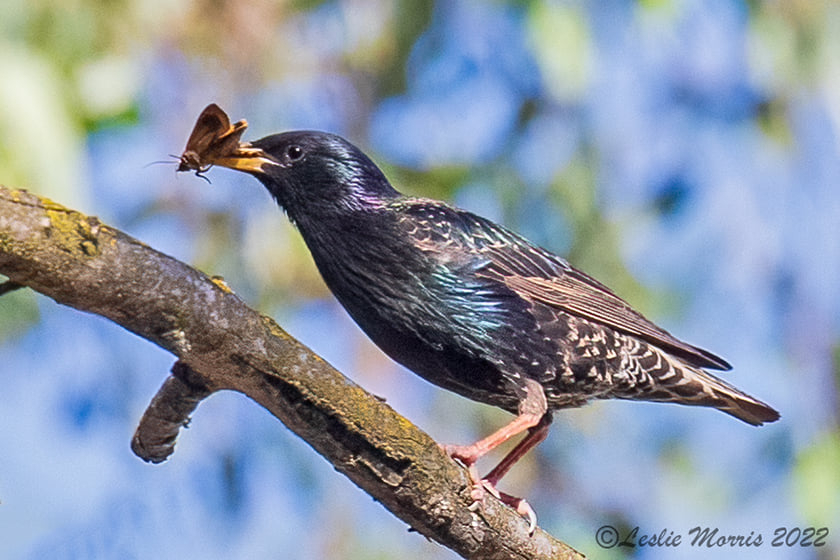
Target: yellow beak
245	158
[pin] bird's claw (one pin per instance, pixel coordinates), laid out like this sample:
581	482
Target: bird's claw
523	508
481	487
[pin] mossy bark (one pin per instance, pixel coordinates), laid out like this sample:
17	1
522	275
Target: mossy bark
221	344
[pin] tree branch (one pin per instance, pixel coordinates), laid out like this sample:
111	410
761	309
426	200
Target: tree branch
223	344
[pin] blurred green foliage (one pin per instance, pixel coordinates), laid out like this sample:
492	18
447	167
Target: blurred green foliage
75	69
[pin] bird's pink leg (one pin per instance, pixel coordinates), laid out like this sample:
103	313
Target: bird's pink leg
535	436
469	454
532	409
533	417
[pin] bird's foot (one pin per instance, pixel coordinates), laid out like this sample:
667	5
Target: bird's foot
482	486
465	454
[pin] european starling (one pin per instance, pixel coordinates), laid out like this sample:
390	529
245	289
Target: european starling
471	306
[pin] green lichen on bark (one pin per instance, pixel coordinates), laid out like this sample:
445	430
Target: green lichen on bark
73	231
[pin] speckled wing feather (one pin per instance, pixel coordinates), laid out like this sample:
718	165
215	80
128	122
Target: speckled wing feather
578	294
540	276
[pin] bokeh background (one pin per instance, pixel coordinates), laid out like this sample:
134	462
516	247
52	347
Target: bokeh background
685	152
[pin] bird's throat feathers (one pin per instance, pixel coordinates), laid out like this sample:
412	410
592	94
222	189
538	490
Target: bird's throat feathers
331	209
335	189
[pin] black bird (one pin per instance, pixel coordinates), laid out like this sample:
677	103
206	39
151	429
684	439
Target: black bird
473	307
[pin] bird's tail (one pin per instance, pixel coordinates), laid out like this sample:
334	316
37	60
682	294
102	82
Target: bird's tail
677	382
730	400
698	387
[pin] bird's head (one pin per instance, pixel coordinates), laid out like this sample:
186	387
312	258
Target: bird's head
313	173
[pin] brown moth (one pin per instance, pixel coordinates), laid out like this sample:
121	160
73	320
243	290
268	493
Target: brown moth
213	137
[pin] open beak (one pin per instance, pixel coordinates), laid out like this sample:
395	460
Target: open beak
245	158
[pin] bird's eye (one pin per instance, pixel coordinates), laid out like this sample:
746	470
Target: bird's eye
294	153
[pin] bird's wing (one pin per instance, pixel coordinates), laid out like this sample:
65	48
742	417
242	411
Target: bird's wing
503	258
543	277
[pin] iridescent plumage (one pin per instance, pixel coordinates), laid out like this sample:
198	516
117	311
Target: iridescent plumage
472	306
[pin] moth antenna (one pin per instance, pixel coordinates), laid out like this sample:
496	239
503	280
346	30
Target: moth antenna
162	161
